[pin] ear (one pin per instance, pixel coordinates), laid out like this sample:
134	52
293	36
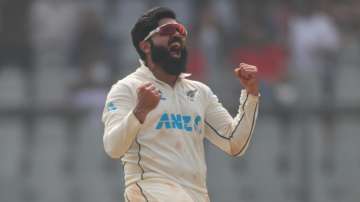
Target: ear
145	47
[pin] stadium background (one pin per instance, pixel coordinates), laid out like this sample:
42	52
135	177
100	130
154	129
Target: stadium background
58	59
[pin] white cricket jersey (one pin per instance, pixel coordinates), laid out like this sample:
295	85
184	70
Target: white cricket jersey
169	144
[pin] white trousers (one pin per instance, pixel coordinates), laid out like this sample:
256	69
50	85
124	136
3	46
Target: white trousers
160	190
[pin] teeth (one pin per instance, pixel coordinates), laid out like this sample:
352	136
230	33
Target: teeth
175	53
174	48
175	44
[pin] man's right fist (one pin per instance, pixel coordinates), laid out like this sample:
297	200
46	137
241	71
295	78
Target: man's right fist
148	99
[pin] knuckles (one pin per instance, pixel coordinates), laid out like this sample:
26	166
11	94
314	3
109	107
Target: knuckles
246	72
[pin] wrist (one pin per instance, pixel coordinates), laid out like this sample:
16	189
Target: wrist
140	114
254	92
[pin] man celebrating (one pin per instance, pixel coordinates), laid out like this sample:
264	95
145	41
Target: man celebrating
156	120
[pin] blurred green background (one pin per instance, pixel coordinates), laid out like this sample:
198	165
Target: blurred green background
58	59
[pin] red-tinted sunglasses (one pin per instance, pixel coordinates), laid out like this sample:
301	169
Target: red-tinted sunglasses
168	29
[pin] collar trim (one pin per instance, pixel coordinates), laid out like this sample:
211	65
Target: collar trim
182	75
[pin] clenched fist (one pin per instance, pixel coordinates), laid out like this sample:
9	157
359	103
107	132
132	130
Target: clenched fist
247	76
148	99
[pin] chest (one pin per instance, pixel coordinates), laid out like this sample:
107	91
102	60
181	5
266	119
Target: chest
181	100
180	111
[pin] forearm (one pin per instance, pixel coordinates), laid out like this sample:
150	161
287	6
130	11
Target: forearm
233	135
245	123
119	135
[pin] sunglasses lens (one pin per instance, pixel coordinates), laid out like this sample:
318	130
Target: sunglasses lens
181	29
167	30
170	29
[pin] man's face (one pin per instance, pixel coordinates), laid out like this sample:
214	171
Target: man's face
169	51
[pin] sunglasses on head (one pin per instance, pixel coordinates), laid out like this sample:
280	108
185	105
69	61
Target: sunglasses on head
168	29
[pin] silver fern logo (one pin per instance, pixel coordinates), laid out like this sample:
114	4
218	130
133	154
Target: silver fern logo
191	94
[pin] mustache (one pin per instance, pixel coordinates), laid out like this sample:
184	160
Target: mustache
176	39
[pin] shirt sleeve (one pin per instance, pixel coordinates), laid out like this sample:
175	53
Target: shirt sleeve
120	124
232	135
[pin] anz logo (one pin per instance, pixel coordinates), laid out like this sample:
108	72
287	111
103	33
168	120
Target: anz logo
181	122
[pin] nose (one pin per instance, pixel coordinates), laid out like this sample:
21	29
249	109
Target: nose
177	34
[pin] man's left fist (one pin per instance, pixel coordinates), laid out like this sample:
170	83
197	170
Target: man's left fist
248	79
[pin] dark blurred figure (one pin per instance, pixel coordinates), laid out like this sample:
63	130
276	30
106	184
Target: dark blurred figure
89	49
89	59
15	47
14	33
54	24
313	41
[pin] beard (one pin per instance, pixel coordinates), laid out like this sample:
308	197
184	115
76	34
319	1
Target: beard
171	65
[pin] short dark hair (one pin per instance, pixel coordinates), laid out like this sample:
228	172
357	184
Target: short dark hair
148	22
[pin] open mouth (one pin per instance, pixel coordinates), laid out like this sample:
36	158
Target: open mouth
175	49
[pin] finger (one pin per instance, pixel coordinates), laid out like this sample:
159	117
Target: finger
151	88
157	96
155	92
247	66
248	72
242	74
245	71
146	84
237	71
251	68
252	75
143	86
246	75
243	65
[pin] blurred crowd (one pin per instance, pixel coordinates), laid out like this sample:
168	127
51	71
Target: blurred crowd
296	44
